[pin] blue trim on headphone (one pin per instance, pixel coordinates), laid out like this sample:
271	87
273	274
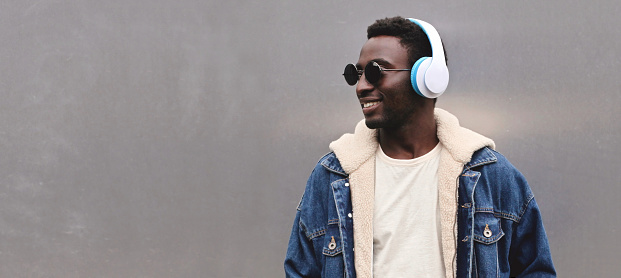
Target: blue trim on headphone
414	73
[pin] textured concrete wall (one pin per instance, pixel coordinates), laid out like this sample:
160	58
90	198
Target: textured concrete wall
174	138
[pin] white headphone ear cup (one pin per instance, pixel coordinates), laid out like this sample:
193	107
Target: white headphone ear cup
417	77
436	78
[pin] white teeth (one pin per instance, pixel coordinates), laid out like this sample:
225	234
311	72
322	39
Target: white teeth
369	104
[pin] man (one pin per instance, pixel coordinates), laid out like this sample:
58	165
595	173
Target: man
411	193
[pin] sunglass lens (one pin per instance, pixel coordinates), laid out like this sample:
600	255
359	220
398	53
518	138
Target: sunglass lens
351	74
372	72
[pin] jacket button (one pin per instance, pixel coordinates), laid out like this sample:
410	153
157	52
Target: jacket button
332	244
487	232
346	184
350	215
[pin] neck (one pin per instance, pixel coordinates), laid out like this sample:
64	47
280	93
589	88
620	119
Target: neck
414	138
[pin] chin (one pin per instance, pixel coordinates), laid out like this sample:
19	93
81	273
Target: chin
384	122
373	123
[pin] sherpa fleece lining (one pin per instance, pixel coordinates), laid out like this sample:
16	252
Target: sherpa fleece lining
356	153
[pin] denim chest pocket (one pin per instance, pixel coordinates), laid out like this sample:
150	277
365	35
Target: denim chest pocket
332	240
487	228
487	233
333	256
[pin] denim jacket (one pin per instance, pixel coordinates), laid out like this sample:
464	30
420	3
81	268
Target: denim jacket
496	229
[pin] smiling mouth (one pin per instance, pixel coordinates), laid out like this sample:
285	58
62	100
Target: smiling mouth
370	104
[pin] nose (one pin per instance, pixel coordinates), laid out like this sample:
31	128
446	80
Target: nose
363	86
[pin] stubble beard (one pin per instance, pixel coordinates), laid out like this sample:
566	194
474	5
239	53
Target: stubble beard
391	119
394	119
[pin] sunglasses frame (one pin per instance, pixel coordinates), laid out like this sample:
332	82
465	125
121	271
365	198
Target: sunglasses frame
375	72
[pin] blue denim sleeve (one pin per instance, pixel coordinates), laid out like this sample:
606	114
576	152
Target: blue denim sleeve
530	253
300	258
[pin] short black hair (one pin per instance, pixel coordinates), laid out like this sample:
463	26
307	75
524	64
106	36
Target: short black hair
410	35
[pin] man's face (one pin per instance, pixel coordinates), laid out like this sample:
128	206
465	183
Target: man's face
391	101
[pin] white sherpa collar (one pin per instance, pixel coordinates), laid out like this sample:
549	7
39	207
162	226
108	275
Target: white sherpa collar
354	149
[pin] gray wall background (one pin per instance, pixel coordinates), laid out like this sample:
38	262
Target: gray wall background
174	138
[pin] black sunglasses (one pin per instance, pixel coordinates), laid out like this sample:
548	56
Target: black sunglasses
372	71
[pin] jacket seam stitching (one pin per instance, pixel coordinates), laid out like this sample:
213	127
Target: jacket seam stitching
333	170
325	158
500	214
526	205
485	161
338	214
316	234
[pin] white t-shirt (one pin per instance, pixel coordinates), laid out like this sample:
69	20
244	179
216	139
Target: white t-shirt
406	223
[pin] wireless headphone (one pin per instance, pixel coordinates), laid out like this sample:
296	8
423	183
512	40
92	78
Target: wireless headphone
430	75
